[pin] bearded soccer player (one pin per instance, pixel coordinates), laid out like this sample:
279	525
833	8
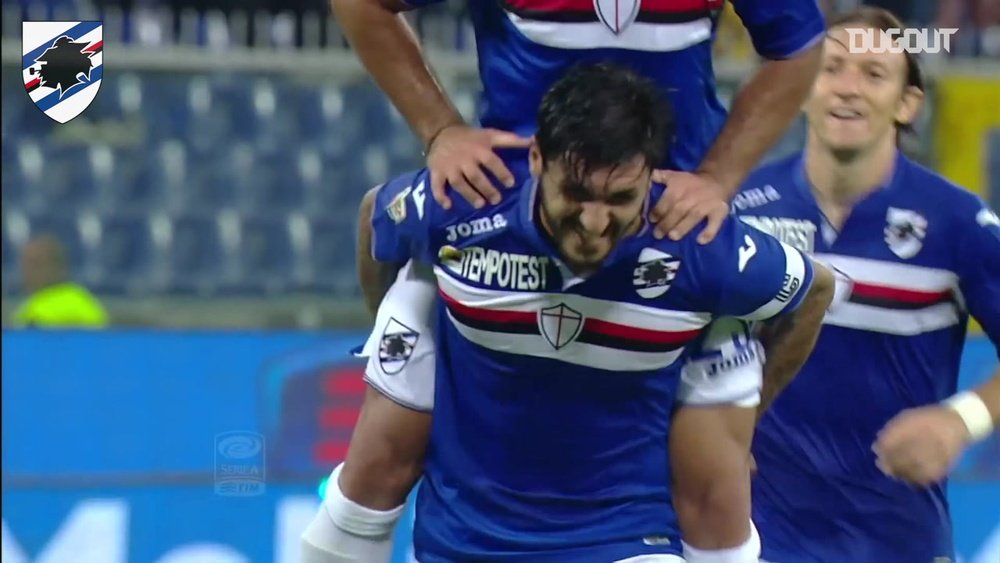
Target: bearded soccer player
852	456
523	46
560	332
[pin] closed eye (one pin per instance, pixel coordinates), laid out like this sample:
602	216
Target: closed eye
622	198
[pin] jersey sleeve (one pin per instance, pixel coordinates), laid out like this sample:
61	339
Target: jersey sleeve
979	271
780	29
401	219
751	275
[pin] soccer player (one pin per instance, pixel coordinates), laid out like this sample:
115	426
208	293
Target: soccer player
560	332
918	255
525	45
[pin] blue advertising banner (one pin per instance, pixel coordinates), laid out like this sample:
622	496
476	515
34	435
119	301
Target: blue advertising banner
173	447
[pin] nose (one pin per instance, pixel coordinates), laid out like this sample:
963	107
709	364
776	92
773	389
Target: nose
848	84
595	218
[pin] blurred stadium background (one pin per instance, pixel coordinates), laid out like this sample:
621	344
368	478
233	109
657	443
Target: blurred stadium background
207	198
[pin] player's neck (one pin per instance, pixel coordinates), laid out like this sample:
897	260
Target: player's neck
841	179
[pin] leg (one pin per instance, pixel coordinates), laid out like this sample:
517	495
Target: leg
710	442
367	492
710	449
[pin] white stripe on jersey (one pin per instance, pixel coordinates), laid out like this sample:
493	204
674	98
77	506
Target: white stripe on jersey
888	321
795	272
630	314
639	36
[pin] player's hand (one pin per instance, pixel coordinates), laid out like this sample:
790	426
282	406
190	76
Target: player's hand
458	156
921	445
689	199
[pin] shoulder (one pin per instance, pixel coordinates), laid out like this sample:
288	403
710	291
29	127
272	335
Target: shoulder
767	184
407	199
956	208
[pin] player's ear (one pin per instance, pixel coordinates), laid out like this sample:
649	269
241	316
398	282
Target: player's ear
909	105
535	158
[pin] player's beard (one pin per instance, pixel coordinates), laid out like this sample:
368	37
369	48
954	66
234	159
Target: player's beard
588	257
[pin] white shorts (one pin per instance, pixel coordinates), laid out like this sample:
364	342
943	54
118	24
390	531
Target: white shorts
725	367
400	349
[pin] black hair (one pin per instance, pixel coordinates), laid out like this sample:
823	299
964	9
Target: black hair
602	115
882	19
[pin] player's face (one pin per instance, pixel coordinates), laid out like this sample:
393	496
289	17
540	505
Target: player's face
586	217
859	97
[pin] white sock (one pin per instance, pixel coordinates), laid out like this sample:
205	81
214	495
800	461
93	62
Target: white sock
747	552
343	531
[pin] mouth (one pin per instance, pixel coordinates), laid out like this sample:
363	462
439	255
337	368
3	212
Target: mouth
846	114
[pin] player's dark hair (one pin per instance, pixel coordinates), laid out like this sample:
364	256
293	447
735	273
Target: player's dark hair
882	19
603	115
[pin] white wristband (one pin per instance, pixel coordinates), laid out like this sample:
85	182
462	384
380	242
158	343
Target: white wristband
974	413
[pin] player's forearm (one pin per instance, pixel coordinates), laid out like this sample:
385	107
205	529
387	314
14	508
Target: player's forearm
374	277
789	340
761	113
391	53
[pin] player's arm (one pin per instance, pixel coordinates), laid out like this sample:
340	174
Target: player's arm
788	34
979	282
393	227
390	51
768	281
921	445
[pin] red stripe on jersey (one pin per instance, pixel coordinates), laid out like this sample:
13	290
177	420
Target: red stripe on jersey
645	335
900	295
491	315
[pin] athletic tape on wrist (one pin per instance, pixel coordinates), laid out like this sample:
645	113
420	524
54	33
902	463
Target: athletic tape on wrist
974	413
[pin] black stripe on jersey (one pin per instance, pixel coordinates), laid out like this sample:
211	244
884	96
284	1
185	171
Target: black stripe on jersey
493	326
607	341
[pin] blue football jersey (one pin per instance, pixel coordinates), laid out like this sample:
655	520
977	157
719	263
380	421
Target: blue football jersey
524	46
553	393
919	255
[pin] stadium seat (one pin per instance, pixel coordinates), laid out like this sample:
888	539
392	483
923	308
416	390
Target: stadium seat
273	185
144	177
266	256
121	96
197	260
213	185
330	254
125	257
